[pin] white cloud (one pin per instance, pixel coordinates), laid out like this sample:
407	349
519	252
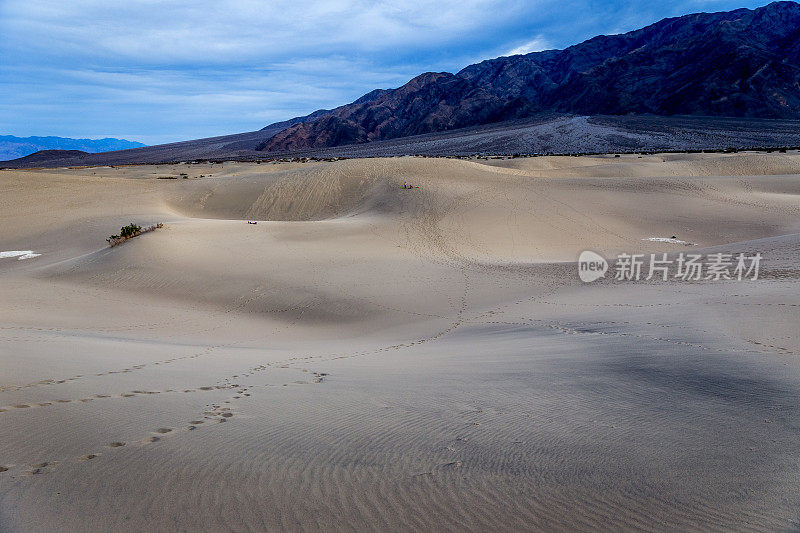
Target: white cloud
155	32
534	45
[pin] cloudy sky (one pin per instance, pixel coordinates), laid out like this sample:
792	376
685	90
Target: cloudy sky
159	71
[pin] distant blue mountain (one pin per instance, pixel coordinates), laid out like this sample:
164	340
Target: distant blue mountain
13	147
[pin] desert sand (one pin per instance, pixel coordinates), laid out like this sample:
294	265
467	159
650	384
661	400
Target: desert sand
368	357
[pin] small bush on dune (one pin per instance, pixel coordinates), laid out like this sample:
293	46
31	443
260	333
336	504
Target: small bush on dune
130	231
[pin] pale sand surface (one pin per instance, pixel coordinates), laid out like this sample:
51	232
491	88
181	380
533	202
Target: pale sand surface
389	359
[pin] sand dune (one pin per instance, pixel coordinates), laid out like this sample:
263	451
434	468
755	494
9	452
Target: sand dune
372	357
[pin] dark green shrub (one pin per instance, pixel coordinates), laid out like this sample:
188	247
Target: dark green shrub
130	230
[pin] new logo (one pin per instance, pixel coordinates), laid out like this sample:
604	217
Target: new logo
591	266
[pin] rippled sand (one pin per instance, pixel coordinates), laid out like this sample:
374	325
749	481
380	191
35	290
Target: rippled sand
373	358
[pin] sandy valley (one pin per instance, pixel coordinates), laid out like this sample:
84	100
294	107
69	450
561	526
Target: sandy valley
377	358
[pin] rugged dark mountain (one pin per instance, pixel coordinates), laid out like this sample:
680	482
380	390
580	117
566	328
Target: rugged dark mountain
428	103
372	95
742	63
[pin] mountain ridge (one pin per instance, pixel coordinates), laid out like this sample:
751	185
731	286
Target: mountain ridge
740	63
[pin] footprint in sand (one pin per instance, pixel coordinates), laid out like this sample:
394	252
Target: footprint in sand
39	468
115	444
152	439
3	469
88	457
163	430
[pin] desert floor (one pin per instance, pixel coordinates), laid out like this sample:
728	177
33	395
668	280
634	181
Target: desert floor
368	357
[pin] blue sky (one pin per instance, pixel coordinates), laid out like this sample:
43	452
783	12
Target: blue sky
156	71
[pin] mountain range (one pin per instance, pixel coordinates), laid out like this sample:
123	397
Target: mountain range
742	63
13	147
696	82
